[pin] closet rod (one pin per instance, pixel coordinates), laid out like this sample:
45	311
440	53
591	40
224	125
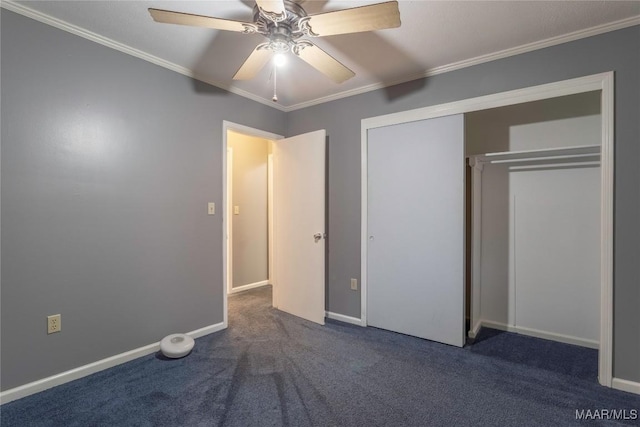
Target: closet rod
556	165
593	150
546	158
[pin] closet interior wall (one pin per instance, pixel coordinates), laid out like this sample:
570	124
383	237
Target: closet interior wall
538	269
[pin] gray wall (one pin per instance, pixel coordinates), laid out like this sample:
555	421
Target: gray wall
108	163
250	227
618	51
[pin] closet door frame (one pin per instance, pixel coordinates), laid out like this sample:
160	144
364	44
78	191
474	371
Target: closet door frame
603	82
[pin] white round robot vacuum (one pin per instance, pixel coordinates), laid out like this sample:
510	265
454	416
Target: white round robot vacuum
176	346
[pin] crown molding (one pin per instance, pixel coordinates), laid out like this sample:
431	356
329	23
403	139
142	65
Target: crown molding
105	41
553	41
73	29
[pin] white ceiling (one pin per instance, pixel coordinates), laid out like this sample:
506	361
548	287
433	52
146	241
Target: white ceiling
435	36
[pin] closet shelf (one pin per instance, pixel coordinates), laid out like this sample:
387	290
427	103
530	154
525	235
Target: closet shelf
585	152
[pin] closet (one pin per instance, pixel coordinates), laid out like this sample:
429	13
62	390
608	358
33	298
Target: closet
505	201
533	218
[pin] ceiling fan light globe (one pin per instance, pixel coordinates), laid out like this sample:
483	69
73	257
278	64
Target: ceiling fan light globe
279	59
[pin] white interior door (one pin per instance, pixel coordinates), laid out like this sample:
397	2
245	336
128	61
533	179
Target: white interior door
299	225
415	251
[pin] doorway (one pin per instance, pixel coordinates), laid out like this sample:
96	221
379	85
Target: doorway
249	211
297	253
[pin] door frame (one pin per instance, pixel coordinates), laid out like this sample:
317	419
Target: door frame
271	247
603	82
228	211
226	208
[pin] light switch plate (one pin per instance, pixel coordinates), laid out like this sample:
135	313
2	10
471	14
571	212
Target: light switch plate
354	284
236	210
211	208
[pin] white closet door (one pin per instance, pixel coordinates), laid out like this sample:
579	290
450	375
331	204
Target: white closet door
415	252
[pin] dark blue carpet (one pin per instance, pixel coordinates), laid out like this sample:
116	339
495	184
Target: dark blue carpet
552	356
273	369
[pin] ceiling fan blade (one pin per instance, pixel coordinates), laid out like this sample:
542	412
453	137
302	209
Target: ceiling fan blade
358	19
322	61
254	63
273	9
169	17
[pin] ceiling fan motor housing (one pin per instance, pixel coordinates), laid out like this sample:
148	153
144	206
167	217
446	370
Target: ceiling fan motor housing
281	34
280	39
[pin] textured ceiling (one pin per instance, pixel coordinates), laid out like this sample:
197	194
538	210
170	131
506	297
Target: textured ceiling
433	36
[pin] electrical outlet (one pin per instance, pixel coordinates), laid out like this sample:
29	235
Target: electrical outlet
54	323
354	284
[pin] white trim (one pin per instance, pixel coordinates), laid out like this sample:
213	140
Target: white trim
607	108
567	339
626	385
603	82
229	216
91	368
271	249
476	238
511	274
236	289
105	41
246	130
364	220
343	318
475	329
205	331
502	99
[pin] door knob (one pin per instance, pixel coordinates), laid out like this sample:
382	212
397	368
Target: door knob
317	237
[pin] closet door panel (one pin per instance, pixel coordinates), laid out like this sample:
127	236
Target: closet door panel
556	219
415	277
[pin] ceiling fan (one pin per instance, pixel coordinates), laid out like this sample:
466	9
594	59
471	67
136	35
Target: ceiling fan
285	22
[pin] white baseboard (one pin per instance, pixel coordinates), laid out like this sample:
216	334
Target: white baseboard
247	287
474	330
626	385
204	331
343	318
82	371
567	339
